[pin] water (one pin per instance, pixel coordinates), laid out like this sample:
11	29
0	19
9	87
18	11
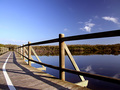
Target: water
107	65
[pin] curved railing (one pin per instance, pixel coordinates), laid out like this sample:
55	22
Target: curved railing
63	48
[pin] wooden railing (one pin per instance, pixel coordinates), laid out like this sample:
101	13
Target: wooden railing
63	47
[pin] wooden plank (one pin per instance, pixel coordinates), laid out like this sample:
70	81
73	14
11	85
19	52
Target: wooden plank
37	57
73	61
26	50
84	82
23	52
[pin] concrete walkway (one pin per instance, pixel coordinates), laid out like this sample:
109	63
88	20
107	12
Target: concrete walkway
25	77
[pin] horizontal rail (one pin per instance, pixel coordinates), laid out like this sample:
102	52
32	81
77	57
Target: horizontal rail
80	37
93	35
95	76
77	37
44	42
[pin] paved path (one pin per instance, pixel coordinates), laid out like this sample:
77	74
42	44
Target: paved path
24	77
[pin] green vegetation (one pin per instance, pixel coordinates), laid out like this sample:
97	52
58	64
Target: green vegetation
1	45
75	49
80	49
10	46
46	50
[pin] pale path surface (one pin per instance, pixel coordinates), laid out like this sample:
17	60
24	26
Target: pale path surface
29	78
3	84
9	83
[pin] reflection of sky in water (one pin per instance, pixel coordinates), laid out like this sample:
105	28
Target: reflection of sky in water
108	65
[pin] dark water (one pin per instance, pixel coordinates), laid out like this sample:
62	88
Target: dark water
107	65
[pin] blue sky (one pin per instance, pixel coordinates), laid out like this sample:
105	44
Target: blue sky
37	20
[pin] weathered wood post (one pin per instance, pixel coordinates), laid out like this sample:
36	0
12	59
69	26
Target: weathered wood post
19	51
23	52
3	49
0	50
61	57
29	53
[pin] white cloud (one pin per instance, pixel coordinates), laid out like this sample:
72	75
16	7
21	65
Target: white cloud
88	26
65	29
113	19
116	75
96	17
89	69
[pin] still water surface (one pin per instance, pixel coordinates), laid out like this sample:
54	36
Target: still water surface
107	65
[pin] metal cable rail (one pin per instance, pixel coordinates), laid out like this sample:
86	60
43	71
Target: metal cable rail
62	46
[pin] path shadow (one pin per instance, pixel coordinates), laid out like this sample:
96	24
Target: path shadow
5	87
28	72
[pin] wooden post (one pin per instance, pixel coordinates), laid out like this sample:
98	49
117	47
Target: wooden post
19	51
23	53
61	57
3	50
29	53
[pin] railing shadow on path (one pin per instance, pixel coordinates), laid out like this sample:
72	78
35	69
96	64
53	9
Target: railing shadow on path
28	72
5	87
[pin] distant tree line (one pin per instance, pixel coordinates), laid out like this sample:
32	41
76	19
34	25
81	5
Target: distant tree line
115	47
10	46
46	50
87	49
75	49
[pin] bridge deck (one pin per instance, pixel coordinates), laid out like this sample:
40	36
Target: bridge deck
23	76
